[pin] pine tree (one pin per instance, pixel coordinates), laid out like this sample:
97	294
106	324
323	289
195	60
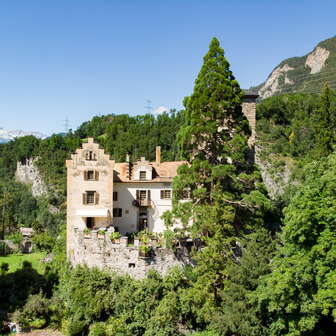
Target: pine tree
226	196
325	123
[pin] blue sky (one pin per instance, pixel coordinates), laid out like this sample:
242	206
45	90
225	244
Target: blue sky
77	58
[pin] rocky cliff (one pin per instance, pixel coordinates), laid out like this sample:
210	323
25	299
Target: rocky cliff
28	173
303	74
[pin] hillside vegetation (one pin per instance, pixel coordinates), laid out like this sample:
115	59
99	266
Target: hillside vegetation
295	75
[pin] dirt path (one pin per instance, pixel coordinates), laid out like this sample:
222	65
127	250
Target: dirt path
41	333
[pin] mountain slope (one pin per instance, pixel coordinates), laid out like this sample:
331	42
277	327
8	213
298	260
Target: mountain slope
6	136
303	74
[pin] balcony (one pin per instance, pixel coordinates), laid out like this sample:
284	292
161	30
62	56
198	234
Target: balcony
144	202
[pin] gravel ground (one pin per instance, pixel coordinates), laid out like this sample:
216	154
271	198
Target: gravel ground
41	333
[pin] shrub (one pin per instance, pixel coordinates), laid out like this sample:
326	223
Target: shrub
4	268
16	238
44	242
34	313
97	329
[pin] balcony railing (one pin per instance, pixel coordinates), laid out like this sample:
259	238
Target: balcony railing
145	202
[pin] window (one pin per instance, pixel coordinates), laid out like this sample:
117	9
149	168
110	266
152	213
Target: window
117	212
91	175
90	156
90	197
142	195
166	194
142	175
115	196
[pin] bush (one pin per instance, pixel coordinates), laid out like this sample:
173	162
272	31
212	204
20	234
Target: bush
34	313
16	238
4	249
97	329
44	242
4	268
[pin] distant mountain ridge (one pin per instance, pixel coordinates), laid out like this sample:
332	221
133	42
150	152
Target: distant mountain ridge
303	74
6	136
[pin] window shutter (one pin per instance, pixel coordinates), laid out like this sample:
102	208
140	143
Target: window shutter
97	175
85	175
148	195
115	196
96	198
162	194
84	198
138	194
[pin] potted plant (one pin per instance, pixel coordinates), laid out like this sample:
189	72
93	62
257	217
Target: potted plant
101	234
87	233
145	251
115	237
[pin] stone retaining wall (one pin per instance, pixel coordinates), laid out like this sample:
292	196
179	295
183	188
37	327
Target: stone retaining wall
121	258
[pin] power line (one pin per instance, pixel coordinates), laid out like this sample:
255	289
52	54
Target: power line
66	125
148	106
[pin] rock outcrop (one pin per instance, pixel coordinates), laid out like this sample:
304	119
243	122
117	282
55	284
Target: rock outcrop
303	74
28	173
316	60
272	84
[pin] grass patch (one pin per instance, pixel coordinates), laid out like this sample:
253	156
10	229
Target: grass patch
15	261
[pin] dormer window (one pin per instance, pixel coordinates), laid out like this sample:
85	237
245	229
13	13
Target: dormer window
90	156
142	175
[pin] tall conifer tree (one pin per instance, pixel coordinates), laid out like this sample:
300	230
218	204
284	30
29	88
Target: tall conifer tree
325	123
226	196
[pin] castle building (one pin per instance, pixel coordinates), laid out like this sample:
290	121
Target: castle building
125	197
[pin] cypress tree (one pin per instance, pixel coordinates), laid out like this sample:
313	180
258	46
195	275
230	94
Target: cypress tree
226	196
325	123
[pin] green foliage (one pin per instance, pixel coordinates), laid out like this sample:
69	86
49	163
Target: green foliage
43	242
16	286
4	268
325	123
38	312
16	237
98	303
285	124
299	296
115	235
122	134
227	199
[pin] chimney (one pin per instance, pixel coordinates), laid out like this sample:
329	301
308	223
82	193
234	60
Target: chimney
158	155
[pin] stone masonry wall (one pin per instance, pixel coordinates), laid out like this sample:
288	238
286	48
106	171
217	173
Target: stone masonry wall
249	109
92	251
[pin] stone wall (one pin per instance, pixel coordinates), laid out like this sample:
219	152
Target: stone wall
249	109
93	251
28	173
